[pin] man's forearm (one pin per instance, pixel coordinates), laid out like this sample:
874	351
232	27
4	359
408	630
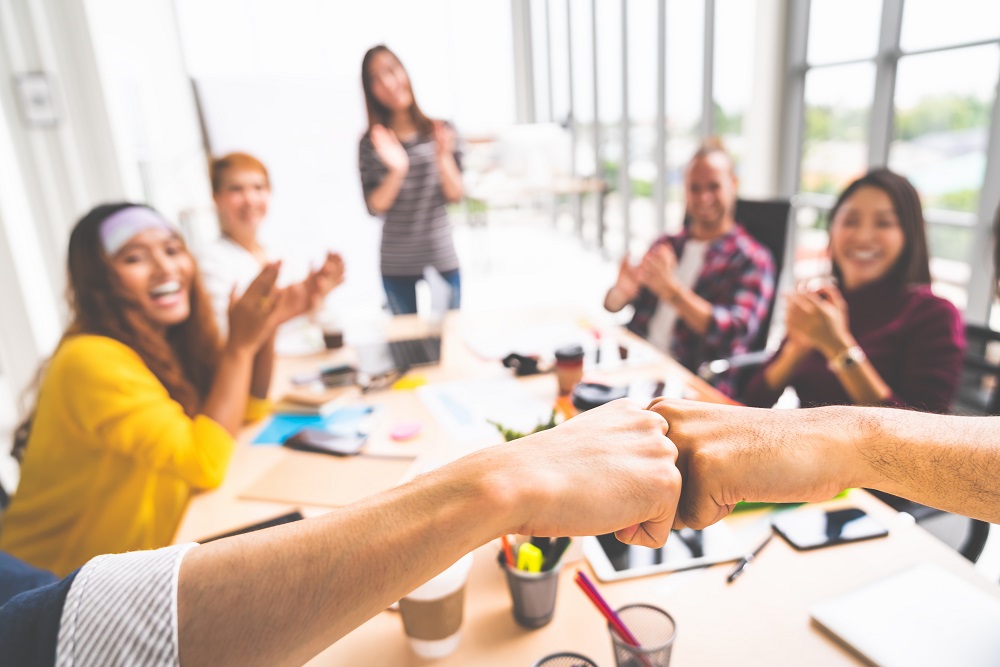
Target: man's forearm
694	310
282	596
948	462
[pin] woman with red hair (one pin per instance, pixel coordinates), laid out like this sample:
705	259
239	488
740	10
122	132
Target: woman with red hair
241	188
139	404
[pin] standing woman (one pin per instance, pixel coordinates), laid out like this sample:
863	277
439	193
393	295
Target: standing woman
882	338
410	169
139	405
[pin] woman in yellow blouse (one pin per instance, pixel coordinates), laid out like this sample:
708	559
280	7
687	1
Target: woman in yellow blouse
139	404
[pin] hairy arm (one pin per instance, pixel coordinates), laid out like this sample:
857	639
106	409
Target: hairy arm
280	596
728	454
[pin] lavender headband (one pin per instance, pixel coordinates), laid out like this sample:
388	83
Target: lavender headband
120	227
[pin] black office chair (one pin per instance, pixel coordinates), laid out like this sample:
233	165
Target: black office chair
768	222
979	389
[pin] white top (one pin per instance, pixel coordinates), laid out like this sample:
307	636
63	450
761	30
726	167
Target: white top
689	265
225	265
122	610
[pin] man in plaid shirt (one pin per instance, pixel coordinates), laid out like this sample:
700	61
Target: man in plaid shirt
703	293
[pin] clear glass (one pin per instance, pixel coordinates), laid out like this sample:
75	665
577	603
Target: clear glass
944	102
842	30
835	145
932	23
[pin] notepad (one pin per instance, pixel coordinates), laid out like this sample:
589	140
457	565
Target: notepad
303	478
923	615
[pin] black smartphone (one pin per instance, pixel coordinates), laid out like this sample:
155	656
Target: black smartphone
816	528
317	440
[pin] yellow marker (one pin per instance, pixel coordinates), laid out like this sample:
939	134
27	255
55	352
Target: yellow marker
409	382
529	558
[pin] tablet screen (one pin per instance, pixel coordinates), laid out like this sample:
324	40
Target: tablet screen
684	549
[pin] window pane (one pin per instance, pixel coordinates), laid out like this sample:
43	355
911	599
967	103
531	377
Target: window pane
931	23
685	82
842	30
835	148
943	107
734	61
540	62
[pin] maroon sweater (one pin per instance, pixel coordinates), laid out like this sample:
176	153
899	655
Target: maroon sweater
915	340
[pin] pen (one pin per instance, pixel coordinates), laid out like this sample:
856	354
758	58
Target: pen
747	560
555	553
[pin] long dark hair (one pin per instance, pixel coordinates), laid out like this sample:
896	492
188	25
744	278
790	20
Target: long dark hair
913	266
378	113
184	360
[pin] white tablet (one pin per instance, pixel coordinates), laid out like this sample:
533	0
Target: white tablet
685	549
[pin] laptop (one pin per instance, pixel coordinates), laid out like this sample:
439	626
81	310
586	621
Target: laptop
922	615
376	359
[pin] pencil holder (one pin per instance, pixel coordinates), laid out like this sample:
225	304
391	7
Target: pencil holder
655	631
565	660
533	595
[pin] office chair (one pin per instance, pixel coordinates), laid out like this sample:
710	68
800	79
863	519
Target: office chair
979	389
768	222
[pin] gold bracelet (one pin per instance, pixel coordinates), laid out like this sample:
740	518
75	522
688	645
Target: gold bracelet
846	359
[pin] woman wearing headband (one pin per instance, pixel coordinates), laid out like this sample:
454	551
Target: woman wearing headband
139	404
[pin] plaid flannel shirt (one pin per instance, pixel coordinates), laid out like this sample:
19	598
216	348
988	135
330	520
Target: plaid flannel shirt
738	280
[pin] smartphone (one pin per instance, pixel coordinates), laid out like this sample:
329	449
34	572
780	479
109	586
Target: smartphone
815	528
317	440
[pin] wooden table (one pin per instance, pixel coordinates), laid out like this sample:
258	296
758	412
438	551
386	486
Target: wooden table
761	619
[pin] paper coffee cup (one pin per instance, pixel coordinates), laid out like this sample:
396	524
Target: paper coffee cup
432	614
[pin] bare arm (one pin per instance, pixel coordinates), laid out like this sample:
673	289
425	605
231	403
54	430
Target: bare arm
252	319
729	454
779	373
694	310
263	366
448	170
391	153
280	596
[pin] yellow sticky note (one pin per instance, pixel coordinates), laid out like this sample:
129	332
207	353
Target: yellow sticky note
409	382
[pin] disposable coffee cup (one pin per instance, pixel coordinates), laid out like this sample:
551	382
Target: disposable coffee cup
432	614
569	367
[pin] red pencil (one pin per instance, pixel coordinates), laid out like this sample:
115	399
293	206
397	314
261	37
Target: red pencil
587	586
508	552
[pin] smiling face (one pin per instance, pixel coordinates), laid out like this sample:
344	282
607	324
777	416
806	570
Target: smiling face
389	82
711	194
156	269
242	201
866	238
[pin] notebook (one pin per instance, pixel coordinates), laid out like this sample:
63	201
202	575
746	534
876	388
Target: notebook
923	615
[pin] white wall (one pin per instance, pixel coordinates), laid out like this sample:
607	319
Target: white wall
282	81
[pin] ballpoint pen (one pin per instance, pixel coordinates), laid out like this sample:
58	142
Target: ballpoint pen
738	570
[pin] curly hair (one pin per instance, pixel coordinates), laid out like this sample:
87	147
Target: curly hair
184	360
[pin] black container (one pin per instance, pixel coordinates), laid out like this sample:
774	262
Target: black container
589	395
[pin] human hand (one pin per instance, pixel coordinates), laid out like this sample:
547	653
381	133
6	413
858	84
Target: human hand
444	139
306	296
656	271
389	150
728	454
627	283
818	320
254	316
608	469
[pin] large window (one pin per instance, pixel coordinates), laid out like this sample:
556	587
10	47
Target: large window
919	100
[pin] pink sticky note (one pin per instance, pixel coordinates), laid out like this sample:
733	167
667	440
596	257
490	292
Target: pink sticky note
406	430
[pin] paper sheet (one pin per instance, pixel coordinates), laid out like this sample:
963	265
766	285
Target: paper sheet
464	407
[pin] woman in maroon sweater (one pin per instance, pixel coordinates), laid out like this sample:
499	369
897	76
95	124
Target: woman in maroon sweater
885	339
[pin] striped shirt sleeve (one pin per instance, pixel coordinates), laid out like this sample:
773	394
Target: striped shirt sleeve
122	610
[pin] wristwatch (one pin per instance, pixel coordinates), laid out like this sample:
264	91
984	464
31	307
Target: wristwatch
847	359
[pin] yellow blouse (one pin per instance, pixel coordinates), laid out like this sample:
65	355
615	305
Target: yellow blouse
111	460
